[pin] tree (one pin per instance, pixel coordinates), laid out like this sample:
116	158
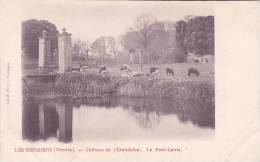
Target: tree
160	44
139	37
130	40
101	48
180	52
112	44
143	27
199	35
80	48
31	30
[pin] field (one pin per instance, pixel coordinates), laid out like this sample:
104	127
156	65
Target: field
180	71
91	84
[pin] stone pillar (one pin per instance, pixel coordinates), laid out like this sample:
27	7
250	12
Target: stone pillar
44	49
42	121
65	52
48	120
65	122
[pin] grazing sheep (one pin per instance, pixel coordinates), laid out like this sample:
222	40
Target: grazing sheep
153	69
75	69
124	67
169	71
84	68
137	74
193	71
102	68
156	72
196	61
105	72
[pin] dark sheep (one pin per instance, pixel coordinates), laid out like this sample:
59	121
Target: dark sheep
196	61
124	67
169	71
102	68
153	69
193	71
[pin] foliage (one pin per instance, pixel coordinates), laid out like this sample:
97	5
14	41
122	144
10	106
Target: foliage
105	48
31	30
160	41
197	34
80	48
143	26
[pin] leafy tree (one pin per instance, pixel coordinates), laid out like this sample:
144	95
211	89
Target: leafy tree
104	48
199	35
31	30
143	26
180	52
80	48
162	42
131	41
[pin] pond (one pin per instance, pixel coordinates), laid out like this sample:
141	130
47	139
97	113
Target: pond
117	118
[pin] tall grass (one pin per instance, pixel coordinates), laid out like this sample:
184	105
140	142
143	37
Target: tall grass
91	84
94	85
143	87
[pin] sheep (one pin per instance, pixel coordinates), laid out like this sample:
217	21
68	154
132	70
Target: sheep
169	71
124	67
84	68
137	74
105	72
156	72
193	71
153	69
126	71
102	68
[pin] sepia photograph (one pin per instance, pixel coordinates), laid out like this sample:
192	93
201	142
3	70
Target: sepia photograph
106	72
129	81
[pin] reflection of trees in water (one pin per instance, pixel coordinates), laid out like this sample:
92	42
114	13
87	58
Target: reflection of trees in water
145	110
147	119
44	119
107	101
200	112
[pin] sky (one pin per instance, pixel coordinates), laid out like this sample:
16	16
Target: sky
88	21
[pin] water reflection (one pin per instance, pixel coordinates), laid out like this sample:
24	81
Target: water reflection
42	119
200	112
113	117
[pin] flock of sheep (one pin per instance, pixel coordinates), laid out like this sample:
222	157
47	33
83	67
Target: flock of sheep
154	71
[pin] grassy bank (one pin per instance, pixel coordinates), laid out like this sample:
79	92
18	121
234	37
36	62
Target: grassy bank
94	85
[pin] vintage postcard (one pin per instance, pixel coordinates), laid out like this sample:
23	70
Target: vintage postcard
155	81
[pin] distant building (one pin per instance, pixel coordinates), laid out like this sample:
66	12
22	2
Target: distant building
207	58
193	58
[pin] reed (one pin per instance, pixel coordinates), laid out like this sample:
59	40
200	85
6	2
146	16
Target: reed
94	85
